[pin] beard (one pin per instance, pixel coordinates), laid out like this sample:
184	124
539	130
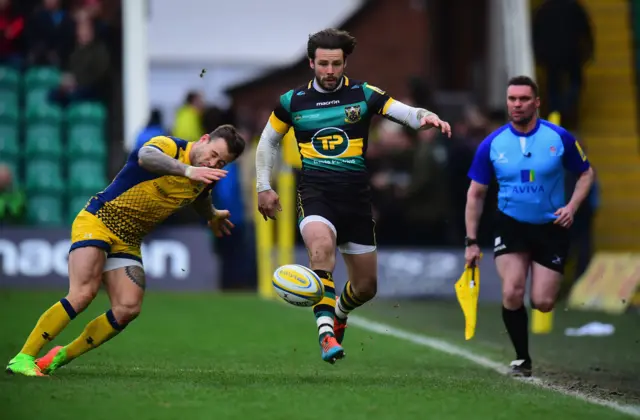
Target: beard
324	85
522	120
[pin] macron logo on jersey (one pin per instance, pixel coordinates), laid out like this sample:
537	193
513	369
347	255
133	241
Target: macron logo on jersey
327	103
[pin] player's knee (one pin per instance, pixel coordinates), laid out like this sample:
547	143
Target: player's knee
543	304
365	289
126	312
513	294
81	296
322	252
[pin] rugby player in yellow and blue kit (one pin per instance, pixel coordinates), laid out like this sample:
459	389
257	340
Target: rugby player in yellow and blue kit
330	116
164	175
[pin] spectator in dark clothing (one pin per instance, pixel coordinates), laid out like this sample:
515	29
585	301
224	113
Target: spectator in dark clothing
25	7
422	94
11	34
427	205
50	35
462	150
88	69
563	44
91	10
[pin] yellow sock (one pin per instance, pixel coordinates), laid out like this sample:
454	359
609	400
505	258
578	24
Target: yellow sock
54	320
97	332
347	302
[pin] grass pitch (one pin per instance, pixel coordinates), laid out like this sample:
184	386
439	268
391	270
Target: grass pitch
213	356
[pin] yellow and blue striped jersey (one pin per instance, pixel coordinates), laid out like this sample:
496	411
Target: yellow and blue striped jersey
137	200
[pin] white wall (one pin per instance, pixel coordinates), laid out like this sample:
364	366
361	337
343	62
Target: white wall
254	32
234	40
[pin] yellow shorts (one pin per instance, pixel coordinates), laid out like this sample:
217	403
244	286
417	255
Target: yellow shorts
88	230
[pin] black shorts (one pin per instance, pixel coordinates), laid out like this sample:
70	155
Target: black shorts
548	244
348	212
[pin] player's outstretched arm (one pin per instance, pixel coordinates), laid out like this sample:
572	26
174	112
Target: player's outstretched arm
217	220
401	113
203	206
156	161
416	118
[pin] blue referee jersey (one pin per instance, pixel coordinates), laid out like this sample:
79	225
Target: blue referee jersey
530	169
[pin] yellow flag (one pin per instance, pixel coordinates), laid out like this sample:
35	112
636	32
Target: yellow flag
467	290
541	322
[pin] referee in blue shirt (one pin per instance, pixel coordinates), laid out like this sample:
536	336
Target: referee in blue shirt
528	158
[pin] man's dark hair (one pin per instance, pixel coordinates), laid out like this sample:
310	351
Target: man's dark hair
235	142
331	39
155	118
524	81
192	95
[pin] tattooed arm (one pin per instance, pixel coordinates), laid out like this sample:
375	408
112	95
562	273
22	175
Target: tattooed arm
204	207
154	160
217	220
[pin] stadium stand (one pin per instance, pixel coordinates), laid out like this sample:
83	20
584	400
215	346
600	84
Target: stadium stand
58	154
53	104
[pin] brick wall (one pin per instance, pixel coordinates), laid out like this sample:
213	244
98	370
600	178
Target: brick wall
392	47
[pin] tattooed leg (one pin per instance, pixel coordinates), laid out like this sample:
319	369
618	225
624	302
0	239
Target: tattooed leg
136	275
126	287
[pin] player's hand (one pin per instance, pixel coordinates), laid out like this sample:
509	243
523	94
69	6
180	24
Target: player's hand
220	224
204	174
268	204
472	255
433	120
565	216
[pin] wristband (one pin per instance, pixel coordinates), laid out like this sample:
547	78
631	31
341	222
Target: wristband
188	171
470	241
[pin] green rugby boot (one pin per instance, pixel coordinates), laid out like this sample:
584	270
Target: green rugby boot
23	364
56	358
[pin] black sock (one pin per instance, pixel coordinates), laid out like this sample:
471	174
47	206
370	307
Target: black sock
517	324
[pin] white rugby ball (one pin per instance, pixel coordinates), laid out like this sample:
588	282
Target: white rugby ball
298	285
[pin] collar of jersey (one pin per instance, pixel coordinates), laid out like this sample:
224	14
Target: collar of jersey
314	84
521	134
187	153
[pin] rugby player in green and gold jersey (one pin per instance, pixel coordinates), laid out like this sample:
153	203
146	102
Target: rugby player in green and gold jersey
330	117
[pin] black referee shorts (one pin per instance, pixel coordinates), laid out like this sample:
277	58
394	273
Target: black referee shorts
547	244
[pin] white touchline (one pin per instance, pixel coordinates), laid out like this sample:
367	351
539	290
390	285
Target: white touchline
451	349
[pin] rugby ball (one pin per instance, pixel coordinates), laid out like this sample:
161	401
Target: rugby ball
298	285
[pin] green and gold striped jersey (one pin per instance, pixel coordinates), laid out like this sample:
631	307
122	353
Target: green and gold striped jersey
331	128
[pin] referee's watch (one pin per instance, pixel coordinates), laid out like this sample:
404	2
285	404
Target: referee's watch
470	241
